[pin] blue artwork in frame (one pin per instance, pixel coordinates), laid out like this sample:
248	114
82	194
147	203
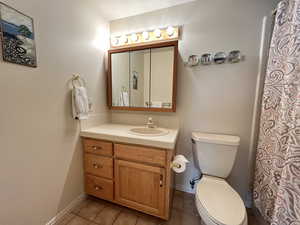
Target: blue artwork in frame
17	35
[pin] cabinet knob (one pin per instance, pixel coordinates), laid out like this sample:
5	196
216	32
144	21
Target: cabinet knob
161	180
96	147
97	166
97	188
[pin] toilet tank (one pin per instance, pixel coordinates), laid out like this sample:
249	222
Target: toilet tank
214	154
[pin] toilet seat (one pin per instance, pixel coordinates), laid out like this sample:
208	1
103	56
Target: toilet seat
218	203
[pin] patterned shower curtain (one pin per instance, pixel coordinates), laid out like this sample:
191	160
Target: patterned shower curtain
277	172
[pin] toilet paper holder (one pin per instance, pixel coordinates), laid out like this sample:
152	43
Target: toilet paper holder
176	165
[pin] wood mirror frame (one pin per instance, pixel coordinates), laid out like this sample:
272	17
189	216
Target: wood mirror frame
143	47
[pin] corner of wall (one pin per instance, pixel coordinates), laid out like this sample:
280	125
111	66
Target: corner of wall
95	119
57	218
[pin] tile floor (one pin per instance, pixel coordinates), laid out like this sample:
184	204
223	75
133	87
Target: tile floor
98	212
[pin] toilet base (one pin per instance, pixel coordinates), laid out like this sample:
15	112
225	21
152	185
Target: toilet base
224	194
244	223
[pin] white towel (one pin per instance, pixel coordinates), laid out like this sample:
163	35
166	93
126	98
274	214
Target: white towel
124	98
80	103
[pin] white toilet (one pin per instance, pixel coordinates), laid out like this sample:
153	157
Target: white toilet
217	202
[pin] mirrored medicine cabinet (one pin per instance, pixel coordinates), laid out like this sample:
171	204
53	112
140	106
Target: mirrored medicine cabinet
143	78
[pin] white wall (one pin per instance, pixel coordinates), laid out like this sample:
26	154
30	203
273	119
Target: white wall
216	98
41	154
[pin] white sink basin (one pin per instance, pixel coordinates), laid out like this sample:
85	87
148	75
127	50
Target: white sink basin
145	131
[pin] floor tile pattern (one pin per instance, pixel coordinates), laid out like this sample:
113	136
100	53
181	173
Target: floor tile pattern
98	212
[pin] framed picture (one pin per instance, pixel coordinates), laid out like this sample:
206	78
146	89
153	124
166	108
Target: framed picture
17	37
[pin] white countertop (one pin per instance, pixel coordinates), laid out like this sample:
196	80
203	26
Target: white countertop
120	133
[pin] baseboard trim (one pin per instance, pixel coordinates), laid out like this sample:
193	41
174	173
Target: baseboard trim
66	210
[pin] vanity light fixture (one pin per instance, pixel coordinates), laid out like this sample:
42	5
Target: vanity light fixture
170	31
124	39
141	37
146	35
157	33
134	37
115	41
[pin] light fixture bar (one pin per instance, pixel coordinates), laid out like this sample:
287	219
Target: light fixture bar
139	38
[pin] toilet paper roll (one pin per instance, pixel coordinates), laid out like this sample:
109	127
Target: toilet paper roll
179	163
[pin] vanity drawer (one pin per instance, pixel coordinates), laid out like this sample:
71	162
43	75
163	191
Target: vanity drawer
98	147
99	187
140	154
98	165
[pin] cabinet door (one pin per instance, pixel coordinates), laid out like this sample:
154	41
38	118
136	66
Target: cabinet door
140	78
120	79
140	186
162	77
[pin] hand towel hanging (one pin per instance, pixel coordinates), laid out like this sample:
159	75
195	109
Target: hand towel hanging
80	101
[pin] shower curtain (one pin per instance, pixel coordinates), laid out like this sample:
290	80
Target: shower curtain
277	172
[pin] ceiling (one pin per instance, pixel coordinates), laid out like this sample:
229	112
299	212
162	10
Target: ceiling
116	9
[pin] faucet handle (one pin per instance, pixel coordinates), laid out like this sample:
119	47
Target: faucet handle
150	123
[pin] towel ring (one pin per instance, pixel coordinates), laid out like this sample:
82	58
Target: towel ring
79	79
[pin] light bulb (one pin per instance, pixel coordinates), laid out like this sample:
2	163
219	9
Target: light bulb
134	37
114	41
157	33
145	35
124	39
170	31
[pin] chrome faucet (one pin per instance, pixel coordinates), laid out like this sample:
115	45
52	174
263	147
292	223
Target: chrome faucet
150	123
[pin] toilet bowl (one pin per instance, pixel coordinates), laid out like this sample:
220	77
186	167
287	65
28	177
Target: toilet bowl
218	203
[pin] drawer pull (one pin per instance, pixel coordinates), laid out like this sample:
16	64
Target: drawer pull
97	166
161	180
96	147
97	188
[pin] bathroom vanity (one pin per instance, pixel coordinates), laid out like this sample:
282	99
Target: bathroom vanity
130	169
130	165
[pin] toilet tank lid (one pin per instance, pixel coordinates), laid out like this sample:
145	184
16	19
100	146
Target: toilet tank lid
216	138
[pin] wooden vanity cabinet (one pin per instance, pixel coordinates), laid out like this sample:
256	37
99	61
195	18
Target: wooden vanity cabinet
137	177
140	186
